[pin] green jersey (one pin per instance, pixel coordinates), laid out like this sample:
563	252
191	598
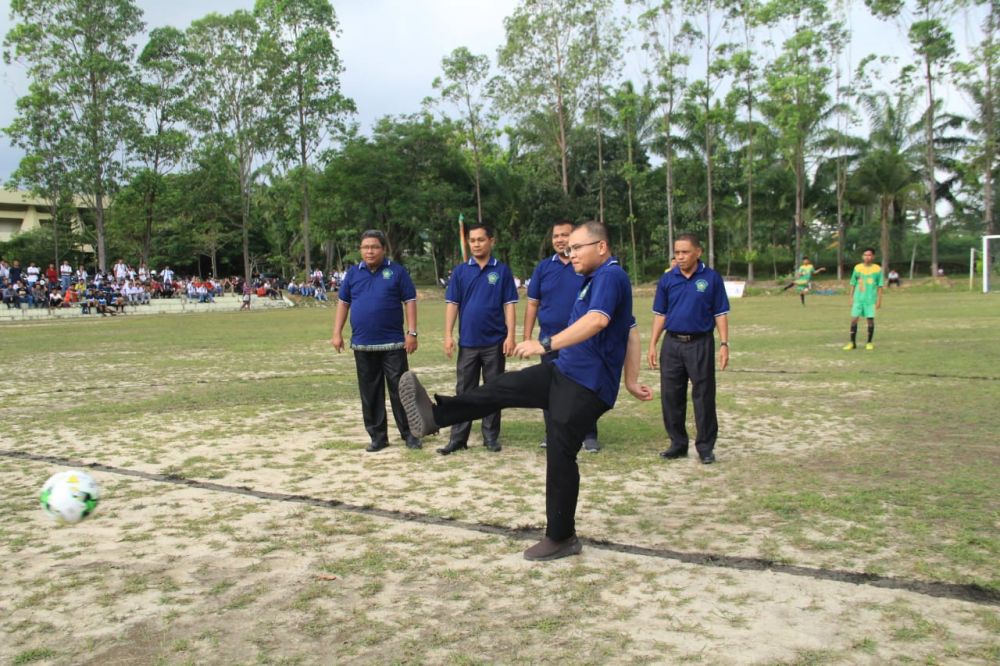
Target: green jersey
866	280
805	274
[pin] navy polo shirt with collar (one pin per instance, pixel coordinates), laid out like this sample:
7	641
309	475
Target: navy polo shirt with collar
596	363
481	294
555	284
375	298
691	304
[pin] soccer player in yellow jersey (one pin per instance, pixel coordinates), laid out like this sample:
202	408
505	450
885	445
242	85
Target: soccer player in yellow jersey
866	290
803	278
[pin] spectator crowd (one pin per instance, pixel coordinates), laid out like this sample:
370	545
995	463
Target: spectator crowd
111	292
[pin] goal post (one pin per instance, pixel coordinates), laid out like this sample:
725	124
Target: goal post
987	262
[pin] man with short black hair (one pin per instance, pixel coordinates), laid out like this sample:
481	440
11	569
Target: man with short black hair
866	297
580	385
691	303
372	293
482	297
552	291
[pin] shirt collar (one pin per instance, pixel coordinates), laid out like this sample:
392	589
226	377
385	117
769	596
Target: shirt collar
386	261
492	261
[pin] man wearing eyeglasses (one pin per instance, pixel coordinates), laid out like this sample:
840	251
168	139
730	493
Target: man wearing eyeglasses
690	302
580	385
482	297
372	292
551	294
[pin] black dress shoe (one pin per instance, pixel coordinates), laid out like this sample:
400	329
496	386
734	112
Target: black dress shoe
451	448
376	446
673	453
413	443
493	446
708	459
549	549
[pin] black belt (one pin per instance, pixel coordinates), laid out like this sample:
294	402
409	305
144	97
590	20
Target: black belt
688	337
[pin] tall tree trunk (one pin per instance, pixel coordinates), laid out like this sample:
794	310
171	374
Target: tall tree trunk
670	180
931	179
304	168
989	122
708	137
887	205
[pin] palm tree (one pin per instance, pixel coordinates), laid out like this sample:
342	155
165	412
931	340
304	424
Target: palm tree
889	169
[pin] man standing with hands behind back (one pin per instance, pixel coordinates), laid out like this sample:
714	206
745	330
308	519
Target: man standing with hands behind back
372	292
691	303
482	297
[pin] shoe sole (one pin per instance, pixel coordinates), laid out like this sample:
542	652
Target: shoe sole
572	549
408	389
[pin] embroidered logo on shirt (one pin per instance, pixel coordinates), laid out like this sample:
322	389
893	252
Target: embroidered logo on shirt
701	285
493	278
386	273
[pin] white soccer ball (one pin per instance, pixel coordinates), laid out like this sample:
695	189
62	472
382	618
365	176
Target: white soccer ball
70	496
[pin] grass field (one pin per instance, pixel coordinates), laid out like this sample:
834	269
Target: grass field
831	464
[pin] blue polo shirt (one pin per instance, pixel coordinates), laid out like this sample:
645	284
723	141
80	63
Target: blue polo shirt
596	363
481	294
555	285
691	304
375	297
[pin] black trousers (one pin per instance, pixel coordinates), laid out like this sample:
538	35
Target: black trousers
573	412
550	358
375	370
679	362
473	363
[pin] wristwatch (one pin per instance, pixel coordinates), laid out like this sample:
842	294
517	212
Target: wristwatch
413	333
724	344
546	343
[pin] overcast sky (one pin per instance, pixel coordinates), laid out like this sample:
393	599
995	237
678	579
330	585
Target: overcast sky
392	49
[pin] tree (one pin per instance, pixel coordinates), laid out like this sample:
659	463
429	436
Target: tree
231	88
82	52
40	130
306	68
933	43
465	76
798	97
668	44
888	169
634	116
546	59
978	78
163	142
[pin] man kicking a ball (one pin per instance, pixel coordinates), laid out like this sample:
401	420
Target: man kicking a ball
579	386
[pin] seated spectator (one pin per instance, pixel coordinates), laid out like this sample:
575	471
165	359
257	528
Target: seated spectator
204	293
70	297
293	288
39	294
894	278
55	298
320	294
9	295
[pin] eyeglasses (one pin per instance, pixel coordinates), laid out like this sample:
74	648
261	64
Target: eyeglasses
575	249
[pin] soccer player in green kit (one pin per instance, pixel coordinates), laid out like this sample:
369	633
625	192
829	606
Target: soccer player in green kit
803	278
866	288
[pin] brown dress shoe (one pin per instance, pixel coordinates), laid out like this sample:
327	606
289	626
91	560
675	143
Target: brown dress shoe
550	549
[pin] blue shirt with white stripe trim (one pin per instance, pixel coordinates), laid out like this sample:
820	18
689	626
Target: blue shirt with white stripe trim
596	363
691	304
375	298
554	285
481	294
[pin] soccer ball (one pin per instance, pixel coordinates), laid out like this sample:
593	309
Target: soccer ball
70	496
